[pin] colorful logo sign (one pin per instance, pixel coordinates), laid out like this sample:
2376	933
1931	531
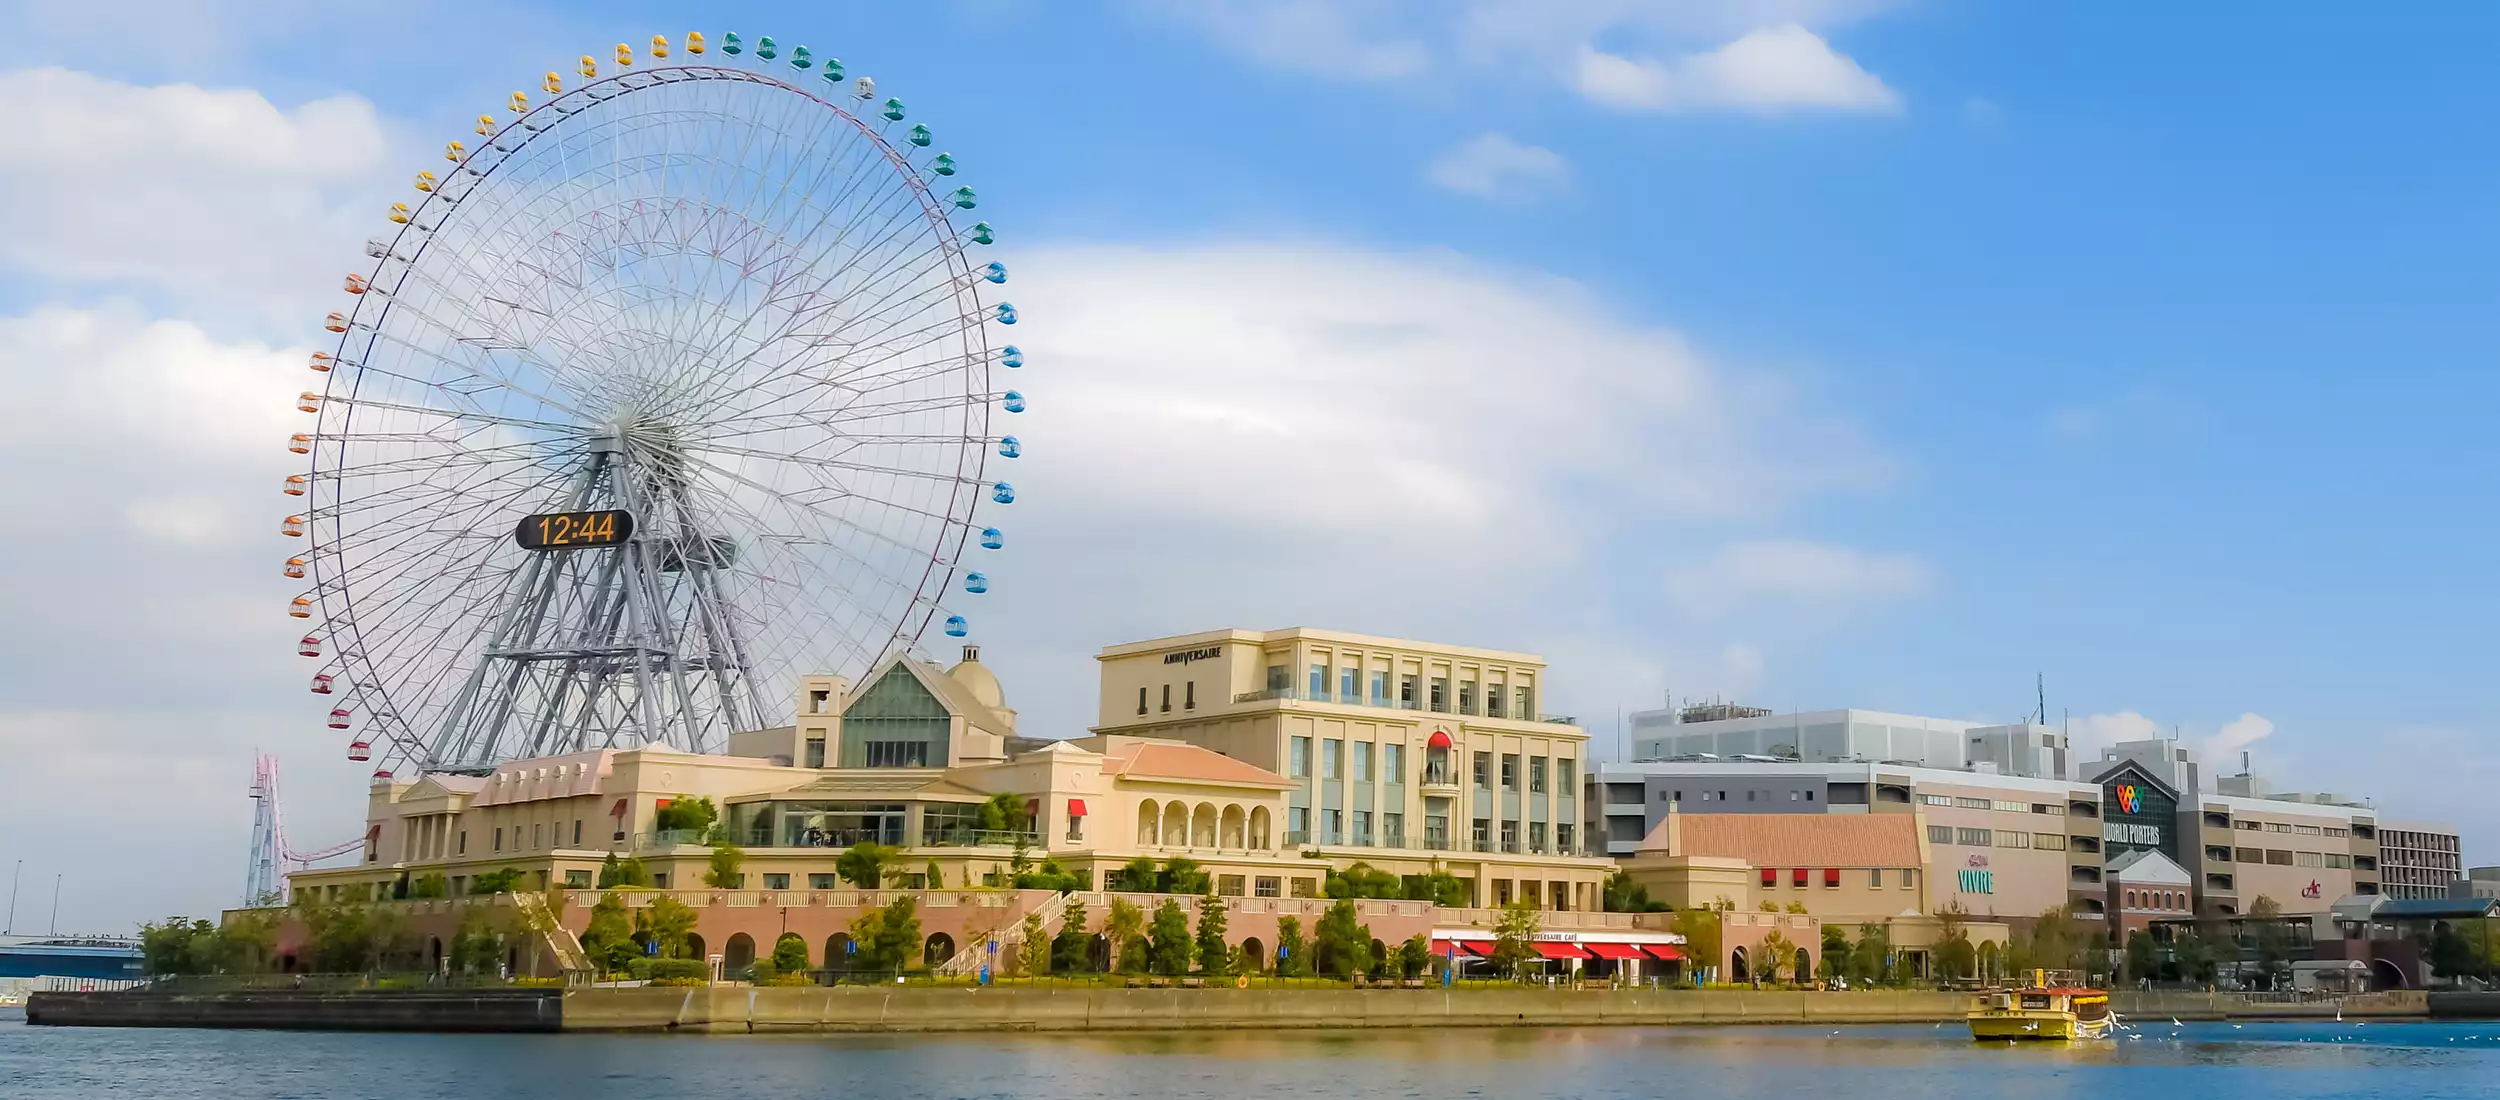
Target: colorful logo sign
2130	799
2312	890
1978	882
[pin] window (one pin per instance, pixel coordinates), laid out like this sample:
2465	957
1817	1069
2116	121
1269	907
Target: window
1300	762
1362	828
2250	826
1278	679
462	848
1977	838
898	754
1510	837
1875	877
1267	886
1335	820
776	881
1510	771
1298	825
1393	764
2277	857
2308	830
1794	796
1306	887
2008	838
1380	689
1536	775
2013	807
1936	799
1466	696
816	745
538	834
1441	694
1319	681
819	881
1141	700
1562	775
1331	758
1167	698
577	880
1749	795
1393	830
1770	877
1228	885
1493	701
1346	692
2307	859
1362	761
1483	835
816	701
2248	855
2335	831
1076	826
2338	861
2049	842
1189	695
1562	841
1437	831
1831	877
1406	692
499	838
2278	827
659	880
1971	803
2049	808
1526	698
1797	878
1909	878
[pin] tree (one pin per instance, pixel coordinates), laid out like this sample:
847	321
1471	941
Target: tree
664	924
1622	895
888	938
347	937
934	876
2143	956
863	865
1955	957
1138	876
790	953
179	946
1050	876
1169	947
1033	957
1343	944
1362	880
432	884
726	873
1702	943
1870	960
1514	937
1069	950
609	940
1835	964
691	815
2273	941
1183	875
1768	906
2194	956
478	946
1126	926
1003	813
627	872
1772	957
1414	957
1439	887
1293	957
502	880
1215	957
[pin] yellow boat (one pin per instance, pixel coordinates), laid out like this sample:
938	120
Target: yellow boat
2043	1011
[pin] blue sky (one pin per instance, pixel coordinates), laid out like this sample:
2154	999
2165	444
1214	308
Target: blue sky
1812	353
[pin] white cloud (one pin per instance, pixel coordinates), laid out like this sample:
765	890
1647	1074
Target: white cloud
217	197
1492	166
1771	70
1348	39
2235	735
1800	571
2218	752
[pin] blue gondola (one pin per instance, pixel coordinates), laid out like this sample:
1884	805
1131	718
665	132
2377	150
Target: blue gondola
1003	493
1006	313
956	627
991	539
975	583
1015	401
1010	448
996	273
1012	356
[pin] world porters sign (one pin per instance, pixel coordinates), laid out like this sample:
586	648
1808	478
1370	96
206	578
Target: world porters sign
2126	832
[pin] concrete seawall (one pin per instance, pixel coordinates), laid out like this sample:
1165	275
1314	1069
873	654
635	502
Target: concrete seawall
871	1009
297	1010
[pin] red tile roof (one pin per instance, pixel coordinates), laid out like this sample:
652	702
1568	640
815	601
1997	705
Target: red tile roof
1188	763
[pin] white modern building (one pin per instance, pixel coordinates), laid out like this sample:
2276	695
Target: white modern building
1733	733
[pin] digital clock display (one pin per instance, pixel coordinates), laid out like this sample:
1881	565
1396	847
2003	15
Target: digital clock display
574	530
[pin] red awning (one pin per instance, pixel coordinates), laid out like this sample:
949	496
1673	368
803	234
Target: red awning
1440	739
1478	948
1613	950
617	810
1561	951
1076	807
373	834
1663	952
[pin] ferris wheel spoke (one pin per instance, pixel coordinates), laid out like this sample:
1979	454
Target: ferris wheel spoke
815	514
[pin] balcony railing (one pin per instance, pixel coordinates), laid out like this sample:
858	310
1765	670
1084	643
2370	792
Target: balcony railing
1307	696
1296	838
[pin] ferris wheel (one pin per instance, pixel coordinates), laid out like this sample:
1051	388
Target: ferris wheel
672	384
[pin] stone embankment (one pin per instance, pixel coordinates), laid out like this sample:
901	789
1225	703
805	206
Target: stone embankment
308	1010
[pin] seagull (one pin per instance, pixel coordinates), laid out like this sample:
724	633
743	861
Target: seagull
2235	1027
2174	1022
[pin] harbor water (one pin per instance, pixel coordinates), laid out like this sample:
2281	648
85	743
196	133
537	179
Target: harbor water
2275	1061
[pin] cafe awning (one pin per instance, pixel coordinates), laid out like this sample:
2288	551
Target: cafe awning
1616	951
1561	951
1663	952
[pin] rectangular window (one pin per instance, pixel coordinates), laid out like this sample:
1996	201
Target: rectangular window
2307	830
1466	696
499	838
1562	776
1362	761
2013	807
1440	695
1141	700
1335	820
2010	839
1968	803
1393	763
1493	702
1770	877
2307	859
1977	838
2277	857
2339	861
1536	837
2048	808
816	701
1831	878
1076	826
1380	689
1278	679
2278	827
1362	828
1346	692
1319	681
1936	799
819	881
577	832
1300	762
1306	887
1268	886
2250	826
1167	698
1393	830
1526	698
2248	855
538	834
1484	771
577	880
1536	775
1909	878
776	881
1228	885
898	754
1510	771
659	880
1298	825
1562	841
1483	835
2049	842
816	745
1510	837
463	847
1189	695
1406	692
1437	831
1331	758
1875	877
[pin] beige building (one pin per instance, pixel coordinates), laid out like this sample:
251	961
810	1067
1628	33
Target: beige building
1405	754
922	759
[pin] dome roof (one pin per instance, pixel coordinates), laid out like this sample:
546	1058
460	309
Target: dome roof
978	679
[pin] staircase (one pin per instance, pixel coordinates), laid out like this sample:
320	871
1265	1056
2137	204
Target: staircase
560	940
969	960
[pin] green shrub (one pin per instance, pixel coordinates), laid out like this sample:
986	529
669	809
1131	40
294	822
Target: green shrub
678	971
